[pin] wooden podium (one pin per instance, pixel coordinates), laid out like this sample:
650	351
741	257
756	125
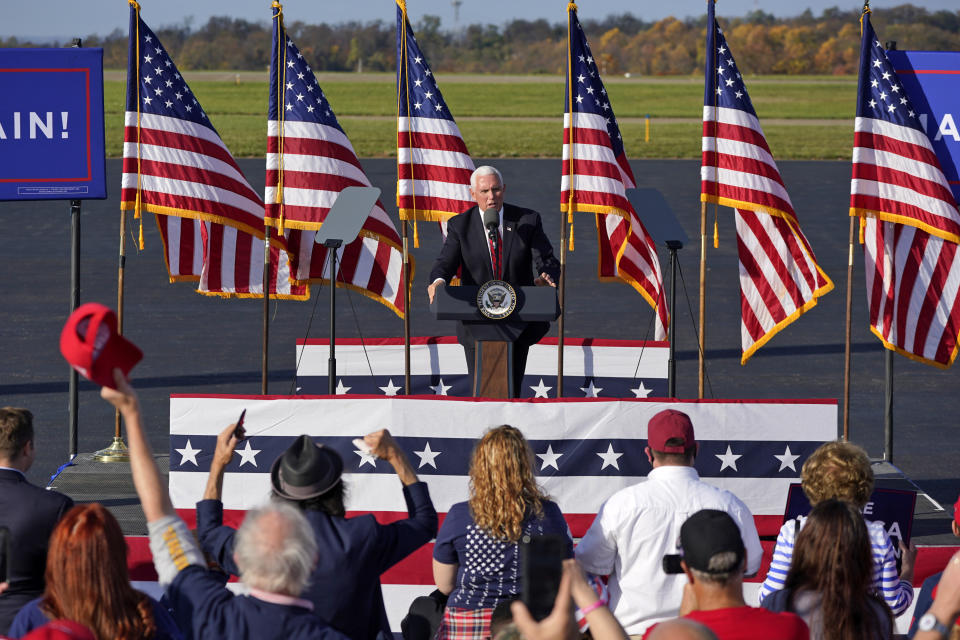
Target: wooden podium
493	373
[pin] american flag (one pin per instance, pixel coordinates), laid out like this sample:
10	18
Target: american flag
433	164
779	276
597	174
176	166
909	217
309	161
584	450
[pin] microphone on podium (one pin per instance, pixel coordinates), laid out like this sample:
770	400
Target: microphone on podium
491	221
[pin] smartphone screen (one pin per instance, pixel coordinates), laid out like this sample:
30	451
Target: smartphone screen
541	566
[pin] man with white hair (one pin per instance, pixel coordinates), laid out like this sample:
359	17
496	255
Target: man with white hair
522	257
275	552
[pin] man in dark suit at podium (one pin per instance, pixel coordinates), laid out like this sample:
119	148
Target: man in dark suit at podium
523	247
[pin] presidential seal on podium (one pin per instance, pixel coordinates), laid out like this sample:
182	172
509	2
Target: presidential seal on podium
496	299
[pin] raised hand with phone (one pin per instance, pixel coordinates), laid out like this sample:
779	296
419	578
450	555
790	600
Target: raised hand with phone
227	442
344	587
574	592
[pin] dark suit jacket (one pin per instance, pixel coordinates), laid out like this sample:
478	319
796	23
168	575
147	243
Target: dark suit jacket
30	513
525	248
345	586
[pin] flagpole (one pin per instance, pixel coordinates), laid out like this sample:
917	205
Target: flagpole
702	337
846	349
404	227
849	301
701	369
562	285
264	359
117	451
278	199
406	307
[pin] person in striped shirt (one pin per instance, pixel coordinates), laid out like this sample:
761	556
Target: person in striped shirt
842	470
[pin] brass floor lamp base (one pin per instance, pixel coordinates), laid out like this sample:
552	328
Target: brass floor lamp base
116	452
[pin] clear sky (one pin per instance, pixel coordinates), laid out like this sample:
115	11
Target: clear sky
68	18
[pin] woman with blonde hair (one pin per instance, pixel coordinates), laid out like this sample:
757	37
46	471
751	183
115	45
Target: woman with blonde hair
87	582
841	470
476	556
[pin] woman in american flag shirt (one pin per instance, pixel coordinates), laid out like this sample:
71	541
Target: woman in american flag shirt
476	556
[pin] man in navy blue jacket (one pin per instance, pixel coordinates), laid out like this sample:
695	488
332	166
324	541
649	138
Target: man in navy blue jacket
27	511
525	259
345	585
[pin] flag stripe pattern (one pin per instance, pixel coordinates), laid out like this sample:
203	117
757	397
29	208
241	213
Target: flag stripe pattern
182	247
433	164
309	162
912	279
909	218
233	266
896	173
779	275
176	166
596	176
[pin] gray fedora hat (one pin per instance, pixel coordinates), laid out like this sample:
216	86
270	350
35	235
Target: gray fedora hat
305	470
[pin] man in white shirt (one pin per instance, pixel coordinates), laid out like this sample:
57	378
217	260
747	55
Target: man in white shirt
639	525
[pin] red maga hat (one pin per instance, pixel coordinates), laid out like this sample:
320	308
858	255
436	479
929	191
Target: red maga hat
90	343
668	424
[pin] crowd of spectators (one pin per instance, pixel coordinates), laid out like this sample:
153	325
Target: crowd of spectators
664	559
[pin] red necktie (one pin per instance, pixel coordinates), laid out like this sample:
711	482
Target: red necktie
495	255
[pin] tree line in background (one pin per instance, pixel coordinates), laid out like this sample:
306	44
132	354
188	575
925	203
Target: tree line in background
763	44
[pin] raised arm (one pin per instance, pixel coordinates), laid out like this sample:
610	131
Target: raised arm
946	606
171	543
399	539
227	442
146	476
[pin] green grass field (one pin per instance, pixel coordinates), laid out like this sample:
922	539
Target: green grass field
806	118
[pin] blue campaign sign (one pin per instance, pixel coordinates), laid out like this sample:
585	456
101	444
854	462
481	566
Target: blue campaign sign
893	507
932	80
51	124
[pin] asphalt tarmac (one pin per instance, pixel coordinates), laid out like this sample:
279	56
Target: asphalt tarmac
197	344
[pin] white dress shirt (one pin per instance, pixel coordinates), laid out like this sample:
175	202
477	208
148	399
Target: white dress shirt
638	525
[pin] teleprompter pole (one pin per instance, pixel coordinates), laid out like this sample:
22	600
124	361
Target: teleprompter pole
332	246
673	246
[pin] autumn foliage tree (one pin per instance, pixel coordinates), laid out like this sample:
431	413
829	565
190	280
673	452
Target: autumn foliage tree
764	44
